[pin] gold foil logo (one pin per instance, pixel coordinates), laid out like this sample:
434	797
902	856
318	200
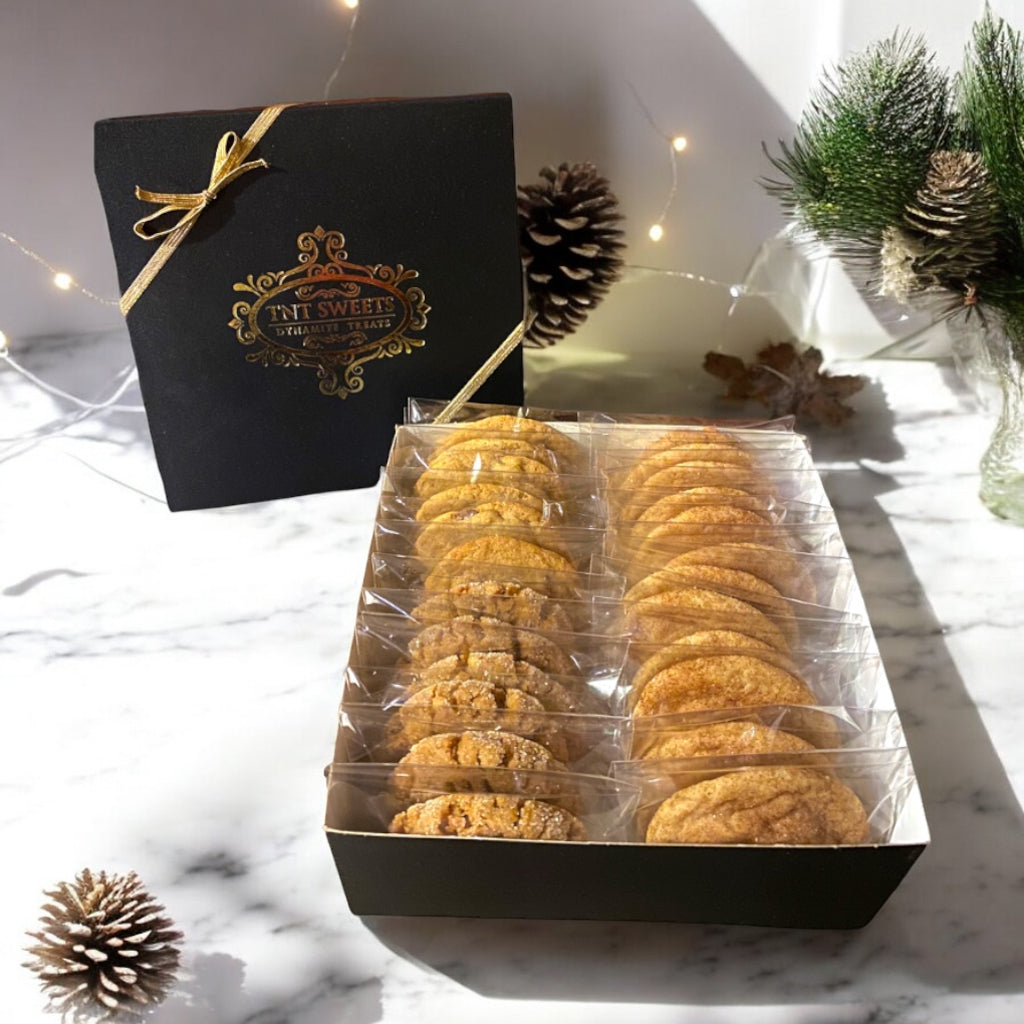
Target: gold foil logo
330	315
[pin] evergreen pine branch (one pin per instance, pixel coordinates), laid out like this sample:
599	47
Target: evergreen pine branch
862	147
991	93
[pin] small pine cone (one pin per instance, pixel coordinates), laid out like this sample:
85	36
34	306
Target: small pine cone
106	947
570	247
957	219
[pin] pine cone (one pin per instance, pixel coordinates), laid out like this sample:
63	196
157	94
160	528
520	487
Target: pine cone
570	247
106	947
957	218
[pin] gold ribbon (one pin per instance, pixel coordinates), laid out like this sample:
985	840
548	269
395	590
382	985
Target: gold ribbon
229	163
493	361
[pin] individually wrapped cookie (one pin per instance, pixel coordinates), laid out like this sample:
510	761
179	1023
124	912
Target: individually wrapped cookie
660	547
478	731
510	602
628	469
803	577
448	506
629	503
773	728
394	571
427	445
683	678
531	805
388	640
819	798
484	534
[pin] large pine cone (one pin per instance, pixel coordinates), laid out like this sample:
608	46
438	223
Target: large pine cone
957	219
570	244
105	948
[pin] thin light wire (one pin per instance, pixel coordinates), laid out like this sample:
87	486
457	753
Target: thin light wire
672	152
33	255
344	54
82	403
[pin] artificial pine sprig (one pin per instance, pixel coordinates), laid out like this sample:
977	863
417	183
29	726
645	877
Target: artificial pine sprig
863	145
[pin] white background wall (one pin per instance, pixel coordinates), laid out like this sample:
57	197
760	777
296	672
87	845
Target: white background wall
728	74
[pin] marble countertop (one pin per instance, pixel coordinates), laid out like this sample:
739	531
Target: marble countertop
170	685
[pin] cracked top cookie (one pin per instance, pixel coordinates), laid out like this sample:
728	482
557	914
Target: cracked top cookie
777	805
486	814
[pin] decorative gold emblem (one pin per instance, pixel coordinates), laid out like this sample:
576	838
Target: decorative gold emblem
330	315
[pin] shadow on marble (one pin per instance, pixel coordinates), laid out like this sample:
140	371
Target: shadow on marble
212	991
953	925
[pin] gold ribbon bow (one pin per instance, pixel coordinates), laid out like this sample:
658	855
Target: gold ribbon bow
229	163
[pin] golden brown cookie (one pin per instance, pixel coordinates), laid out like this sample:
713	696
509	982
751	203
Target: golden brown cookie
669	614
486	814
520	471
523	427
777	805
506	445
450	529
700	526
520	561
471	704
718	681
504	670
733	582
774	565
694	645
672	504
685	476
509	602
722	455
482	749
465	634
719	739
463	495
685	436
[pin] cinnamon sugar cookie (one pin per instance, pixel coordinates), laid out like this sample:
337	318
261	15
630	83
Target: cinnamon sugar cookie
718	681
520	471
524	427
780	568
509	602
450	529
777	805
719	739
669	614
481	749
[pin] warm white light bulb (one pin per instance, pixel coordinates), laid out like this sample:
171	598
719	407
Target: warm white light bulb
656	232
351	4
679	143
62	281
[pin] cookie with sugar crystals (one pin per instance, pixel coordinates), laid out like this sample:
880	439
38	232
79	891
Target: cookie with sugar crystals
720	739
718	681
791	806
481	749
669	614
465	634
469	495
510	602
489	815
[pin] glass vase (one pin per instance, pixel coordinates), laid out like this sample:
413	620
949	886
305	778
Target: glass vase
993	366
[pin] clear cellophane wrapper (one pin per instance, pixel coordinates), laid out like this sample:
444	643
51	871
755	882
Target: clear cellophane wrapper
367	797
459	613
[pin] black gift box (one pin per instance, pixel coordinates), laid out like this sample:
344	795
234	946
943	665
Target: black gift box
373	257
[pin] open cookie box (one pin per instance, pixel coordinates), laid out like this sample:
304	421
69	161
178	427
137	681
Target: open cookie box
620	878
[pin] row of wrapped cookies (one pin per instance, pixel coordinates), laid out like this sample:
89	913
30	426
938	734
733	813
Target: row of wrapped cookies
739	599
478	692
596	617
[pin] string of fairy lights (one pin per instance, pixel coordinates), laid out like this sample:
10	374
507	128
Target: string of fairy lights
675	144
